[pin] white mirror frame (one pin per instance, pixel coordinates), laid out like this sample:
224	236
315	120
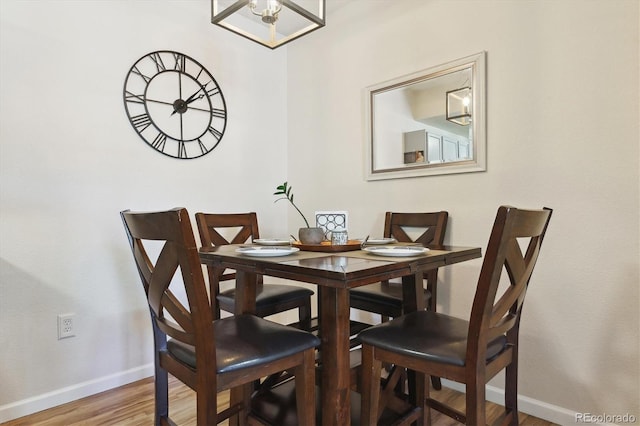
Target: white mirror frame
477	64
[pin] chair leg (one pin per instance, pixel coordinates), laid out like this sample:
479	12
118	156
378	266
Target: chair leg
304	315
436	383
161	387
161	377
242	393
426	409
432	286
371	372
475	399
511	389
422	393
236	396
306	389
206	405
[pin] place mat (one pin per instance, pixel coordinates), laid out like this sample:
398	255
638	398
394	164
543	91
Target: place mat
327	247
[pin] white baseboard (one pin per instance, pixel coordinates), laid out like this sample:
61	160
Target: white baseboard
14	410
57	397
549	412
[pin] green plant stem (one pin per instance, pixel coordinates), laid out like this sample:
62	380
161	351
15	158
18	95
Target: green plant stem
303	218
296	207
285	190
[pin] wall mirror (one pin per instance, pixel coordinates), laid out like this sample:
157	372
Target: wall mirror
431	122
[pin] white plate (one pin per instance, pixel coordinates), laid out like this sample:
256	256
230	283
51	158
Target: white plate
398	251
376	241
272	242
267	251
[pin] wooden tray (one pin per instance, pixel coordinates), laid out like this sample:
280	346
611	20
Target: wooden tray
326	246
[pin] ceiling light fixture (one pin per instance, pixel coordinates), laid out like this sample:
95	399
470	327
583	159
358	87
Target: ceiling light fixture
281	20
459	106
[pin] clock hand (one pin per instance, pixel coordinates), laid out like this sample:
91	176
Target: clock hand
159	102
194	97
188	101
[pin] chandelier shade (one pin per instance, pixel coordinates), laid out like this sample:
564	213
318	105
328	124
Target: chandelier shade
459	106
271	23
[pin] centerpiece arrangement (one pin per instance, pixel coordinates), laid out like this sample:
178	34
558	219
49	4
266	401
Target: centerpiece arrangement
308	235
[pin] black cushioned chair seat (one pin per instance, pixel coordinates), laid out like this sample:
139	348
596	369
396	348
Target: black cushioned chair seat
269	295
244	341
427	335
390	295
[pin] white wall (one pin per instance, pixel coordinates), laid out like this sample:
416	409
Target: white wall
70	161
562	132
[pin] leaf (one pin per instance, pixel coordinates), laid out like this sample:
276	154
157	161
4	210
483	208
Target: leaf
286	190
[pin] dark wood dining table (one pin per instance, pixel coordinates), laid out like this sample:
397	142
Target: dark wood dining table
334	273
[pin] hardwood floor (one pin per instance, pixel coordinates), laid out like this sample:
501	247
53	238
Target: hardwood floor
132	405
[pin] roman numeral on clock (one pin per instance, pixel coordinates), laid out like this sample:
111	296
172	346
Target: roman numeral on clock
157	60
137	71
141	122
159	142
216	134
220	113
182	150
131	97
181	62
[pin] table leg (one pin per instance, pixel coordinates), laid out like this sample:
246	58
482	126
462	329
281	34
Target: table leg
245	303
412	293
334	354
413	300
246	292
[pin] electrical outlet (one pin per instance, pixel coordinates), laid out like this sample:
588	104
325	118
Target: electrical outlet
66	326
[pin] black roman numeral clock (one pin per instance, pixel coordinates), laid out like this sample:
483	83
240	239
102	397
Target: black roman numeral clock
175	104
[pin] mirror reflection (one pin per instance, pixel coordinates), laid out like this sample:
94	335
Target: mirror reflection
430	122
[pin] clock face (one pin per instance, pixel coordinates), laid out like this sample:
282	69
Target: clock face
175	104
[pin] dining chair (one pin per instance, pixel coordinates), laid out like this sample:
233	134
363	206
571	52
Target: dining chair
271	298
469	352
208	355
385	298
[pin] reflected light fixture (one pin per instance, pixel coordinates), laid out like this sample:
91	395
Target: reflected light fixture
459	106
281	21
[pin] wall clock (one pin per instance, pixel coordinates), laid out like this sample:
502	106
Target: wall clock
175	104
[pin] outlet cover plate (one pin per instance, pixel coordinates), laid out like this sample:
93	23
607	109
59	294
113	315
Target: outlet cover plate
66	326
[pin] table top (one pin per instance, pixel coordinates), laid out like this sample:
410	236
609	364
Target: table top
345	269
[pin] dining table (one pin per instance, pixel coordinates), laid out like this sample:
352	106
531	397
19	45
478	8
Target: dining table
334	273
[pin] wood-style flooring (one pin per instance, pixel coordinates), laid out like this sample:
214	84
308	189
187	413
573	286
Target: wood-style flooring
132	405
